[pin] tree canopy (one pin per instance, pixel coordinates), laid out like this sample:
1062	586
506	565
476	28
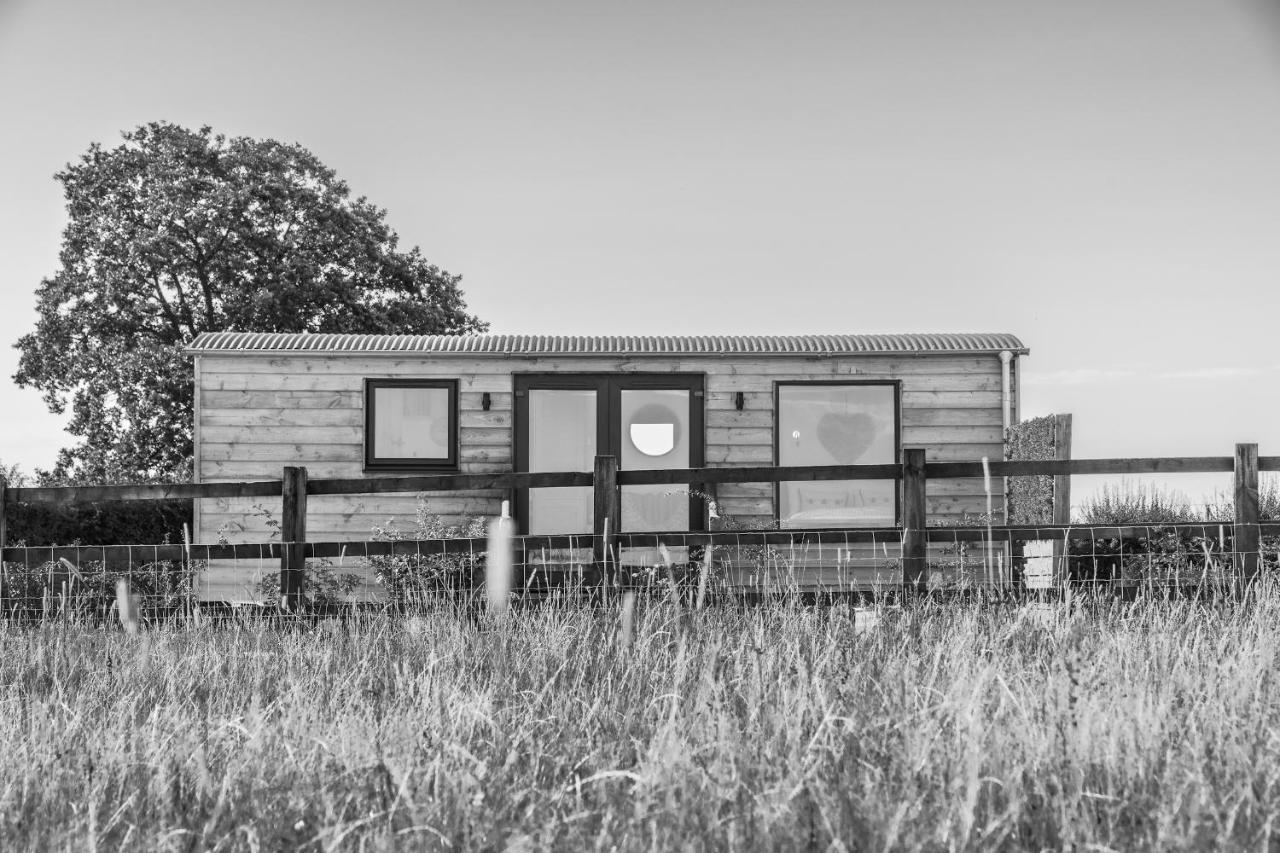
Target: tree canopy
177	232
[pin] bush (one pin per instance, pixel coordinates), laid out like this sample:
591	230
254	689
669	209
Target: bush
321	585
104	523
1165	554
413	578
1134	503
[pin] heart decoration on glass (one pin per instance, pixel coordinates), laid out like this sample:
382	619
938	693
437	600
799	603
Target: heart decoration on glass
847	436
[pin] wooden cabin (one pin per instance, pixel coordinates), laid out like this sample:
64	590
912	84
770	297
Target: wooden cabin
378	405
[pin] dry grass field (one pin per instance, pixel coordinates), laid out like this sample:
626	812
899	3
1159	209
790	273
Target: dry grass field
1140	726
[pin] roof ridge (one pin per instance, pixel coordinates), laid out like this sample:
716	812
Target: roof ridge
503	344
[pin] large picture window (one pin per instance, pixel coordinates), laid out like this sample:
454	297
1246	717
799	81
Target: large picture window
411	424
837	423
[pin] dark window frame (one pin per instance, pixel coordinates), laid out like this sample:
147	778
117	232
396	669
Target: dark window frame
896	384
384	464
608	418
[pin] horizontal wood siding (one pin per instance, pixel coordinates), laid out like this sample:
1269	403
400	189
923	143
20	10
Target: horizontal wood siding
258	414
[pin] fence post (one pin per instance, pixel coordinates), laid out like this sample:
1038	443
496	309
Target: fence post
293	534
1245	538
607	511
915	565
1061	498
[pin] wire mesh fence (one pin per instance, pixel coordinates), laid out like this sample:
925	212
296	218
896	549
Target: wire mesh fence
165	580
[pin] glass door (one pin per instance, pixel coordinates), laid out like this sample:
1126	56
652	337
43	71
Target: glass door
654	433
562	437
647	421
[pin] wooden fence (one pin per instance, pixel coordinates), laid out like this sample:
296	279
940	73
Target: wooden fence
914	533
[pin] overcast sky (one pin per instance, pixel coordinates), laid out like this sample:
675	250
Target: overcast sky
1101	178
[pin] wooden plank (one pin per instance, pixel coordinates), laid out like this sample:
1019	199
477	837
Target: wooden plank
956	508
264	433
948	452
937	436
918	417
753	454
276	399
310	419
1062	482
757	399
732	418
281	417
761	474
249	434
270	454
224	472
293	534
336	400
915	565
1246	539
267	454
358	526
739	436
491	419
474	461
913	398
446	482
164	491
1161	465
607	511
846	367
499	401
329	383
376	507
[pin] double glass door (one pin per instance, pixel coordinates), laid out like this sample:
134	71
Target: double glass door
647	421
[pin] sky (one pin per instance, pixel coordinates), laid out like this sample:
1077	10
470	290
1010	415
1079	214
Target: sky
1099	177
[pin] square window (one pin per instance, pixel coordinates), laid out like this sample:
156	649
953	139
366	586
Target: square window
828	423
411	424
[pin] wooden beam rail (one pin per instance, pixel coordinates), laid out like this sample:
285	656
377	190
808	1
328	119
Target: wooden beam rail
754	474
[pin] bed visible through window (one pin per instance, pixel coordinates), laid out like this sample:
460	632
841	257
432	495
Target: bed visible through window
411	424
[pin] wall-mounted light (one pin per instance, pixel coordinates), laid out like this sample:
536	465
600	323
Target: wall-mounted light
485	401
739	400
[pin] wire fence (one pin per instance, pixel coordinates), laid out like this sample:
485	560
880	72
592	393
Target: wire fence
949	540
736	565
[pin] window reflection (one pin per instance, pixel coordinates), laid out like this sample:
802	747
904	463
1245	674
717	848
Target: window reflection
654	429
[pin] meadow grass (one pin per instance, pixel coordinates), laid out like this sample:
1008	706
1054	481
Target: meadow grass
1127	726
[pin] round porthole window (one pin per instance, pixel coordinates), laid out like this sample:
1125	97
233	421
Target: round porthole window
654	430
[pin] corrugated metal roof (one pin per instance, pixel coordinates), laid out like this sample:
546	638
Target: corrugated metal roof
231	343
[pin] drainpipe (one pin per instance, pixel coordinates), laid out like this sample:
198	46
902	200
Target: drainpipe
1006	397
1006	406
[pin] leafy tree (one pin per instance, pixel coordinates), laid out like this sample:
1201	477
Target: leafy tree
177	232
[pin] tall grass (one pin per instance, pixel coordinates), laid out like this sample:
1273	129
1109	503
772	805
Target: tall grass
1149	725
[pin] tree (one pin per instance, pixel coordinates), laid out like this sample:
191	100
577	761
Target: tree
177	232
